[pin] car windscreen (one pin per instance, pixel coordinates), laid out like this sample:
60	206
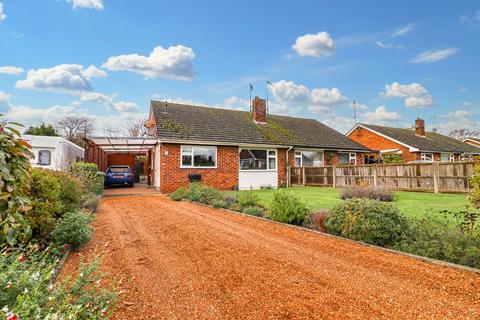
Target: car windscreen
119	170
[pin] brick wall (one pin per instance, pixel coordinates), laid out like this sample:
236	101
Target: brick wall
224	177
376	142
122	159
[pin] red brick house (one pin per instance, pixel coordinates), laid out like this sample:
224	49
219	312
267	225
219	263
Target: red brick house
414	144
230	149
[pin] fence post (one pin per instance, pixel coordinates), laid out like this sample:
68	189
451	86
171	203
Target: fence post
303	176
334	176
375	175
436	177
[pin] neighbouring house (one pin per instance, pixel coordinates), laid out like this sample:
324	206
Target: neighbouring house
230	149
473	142
414	144
54	153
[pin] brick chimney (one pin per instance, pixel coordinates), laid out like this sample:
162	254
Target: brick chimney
420	127
259	110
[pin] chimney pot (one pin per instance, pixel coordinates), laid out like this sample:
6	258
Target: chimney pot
259	110
420	127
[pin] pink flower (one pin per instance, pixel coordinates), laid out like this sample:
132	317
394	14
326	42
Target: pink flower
37	247
106	245
21	258
47	250
9	285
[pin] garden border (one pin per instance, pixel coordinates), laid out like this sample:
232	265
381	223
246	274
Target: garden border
414	256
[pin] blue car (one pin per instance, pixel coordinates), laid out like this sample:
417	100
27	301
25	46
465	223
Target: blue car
119	175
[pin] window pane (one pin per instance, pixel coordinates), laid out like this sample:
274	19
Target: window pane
312	159
186	160
445	157
204	157
343	158
271	163
251	159
186	149
44	157
271	153
298	162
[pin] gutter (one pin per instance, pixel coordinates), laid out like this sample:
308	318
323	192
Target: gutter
286	167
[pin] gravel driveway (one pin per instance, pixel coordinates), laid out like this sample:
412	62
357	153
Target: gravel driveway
178	260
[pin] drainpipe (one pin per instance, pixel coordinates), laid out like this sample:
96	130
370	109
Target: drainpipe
286	167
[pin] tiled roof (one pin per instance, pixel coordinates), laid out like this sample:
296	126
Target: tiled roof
432	141
195	123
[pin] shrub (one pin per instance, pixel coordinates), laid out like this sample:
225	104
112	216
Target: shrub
27	292
87	173
90	201
220	204
230	199
474	194
440	238
70	193
248	199
209	195
45	199
316	219
14	181
254	211
374	193
73	229
236	207
369	221
392	158
287	208
178	194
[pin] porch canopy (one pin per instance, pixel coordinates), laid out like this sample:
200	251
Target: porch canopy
123	144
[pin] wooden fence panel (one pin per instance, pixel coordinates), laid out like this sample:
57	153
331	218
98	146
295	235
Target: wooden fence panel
429	177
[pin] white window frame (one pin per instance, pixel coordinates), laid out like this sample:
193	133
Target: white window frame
298	155
268	160
423	156
50	157
452	157
352	156
192	154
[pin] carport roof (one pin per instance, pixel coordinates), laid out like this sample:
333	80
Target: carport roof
124	144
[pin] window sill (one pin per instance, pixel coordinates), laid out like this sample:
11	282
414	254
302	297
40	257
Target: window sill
259	170
181	167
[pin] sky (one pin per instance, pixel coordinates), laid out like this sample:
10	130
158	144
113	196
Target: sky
108	59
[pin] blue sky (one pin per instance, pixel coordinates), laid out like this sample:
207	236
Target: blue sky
108	59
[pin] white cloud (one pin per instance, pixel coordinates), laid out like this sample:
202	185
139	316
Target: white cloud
4	96
3	16
123	106
473	20
415	94
403	30
63	78
96	97
434	56
14	71
289	96
176	62
314	45
386	45
87	4
381	115
458	114
32	116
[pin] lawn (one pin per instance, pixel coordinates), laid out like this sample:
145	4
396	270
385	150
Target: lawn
412	204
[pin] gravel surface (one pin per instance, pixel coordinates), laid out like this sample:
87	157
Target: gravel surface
178	260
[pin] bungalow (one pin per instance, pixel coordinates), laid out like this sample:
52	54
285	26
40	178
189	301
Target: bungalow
414	144
230	149
473	142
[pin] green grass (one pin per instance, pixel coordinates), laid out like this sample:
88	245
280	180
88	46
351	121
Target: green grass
411	204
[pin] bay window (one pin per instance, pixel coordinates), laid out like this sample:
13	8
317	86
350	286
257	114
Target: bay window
347	158
308	158
258	159
426	157
198	157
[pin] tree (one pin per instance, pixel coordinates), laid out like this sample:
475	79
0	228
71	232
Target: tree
42	130
463	133
136	129
75	128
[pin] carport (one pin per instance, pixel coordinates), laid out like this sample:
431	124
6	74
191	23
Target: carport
133	151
